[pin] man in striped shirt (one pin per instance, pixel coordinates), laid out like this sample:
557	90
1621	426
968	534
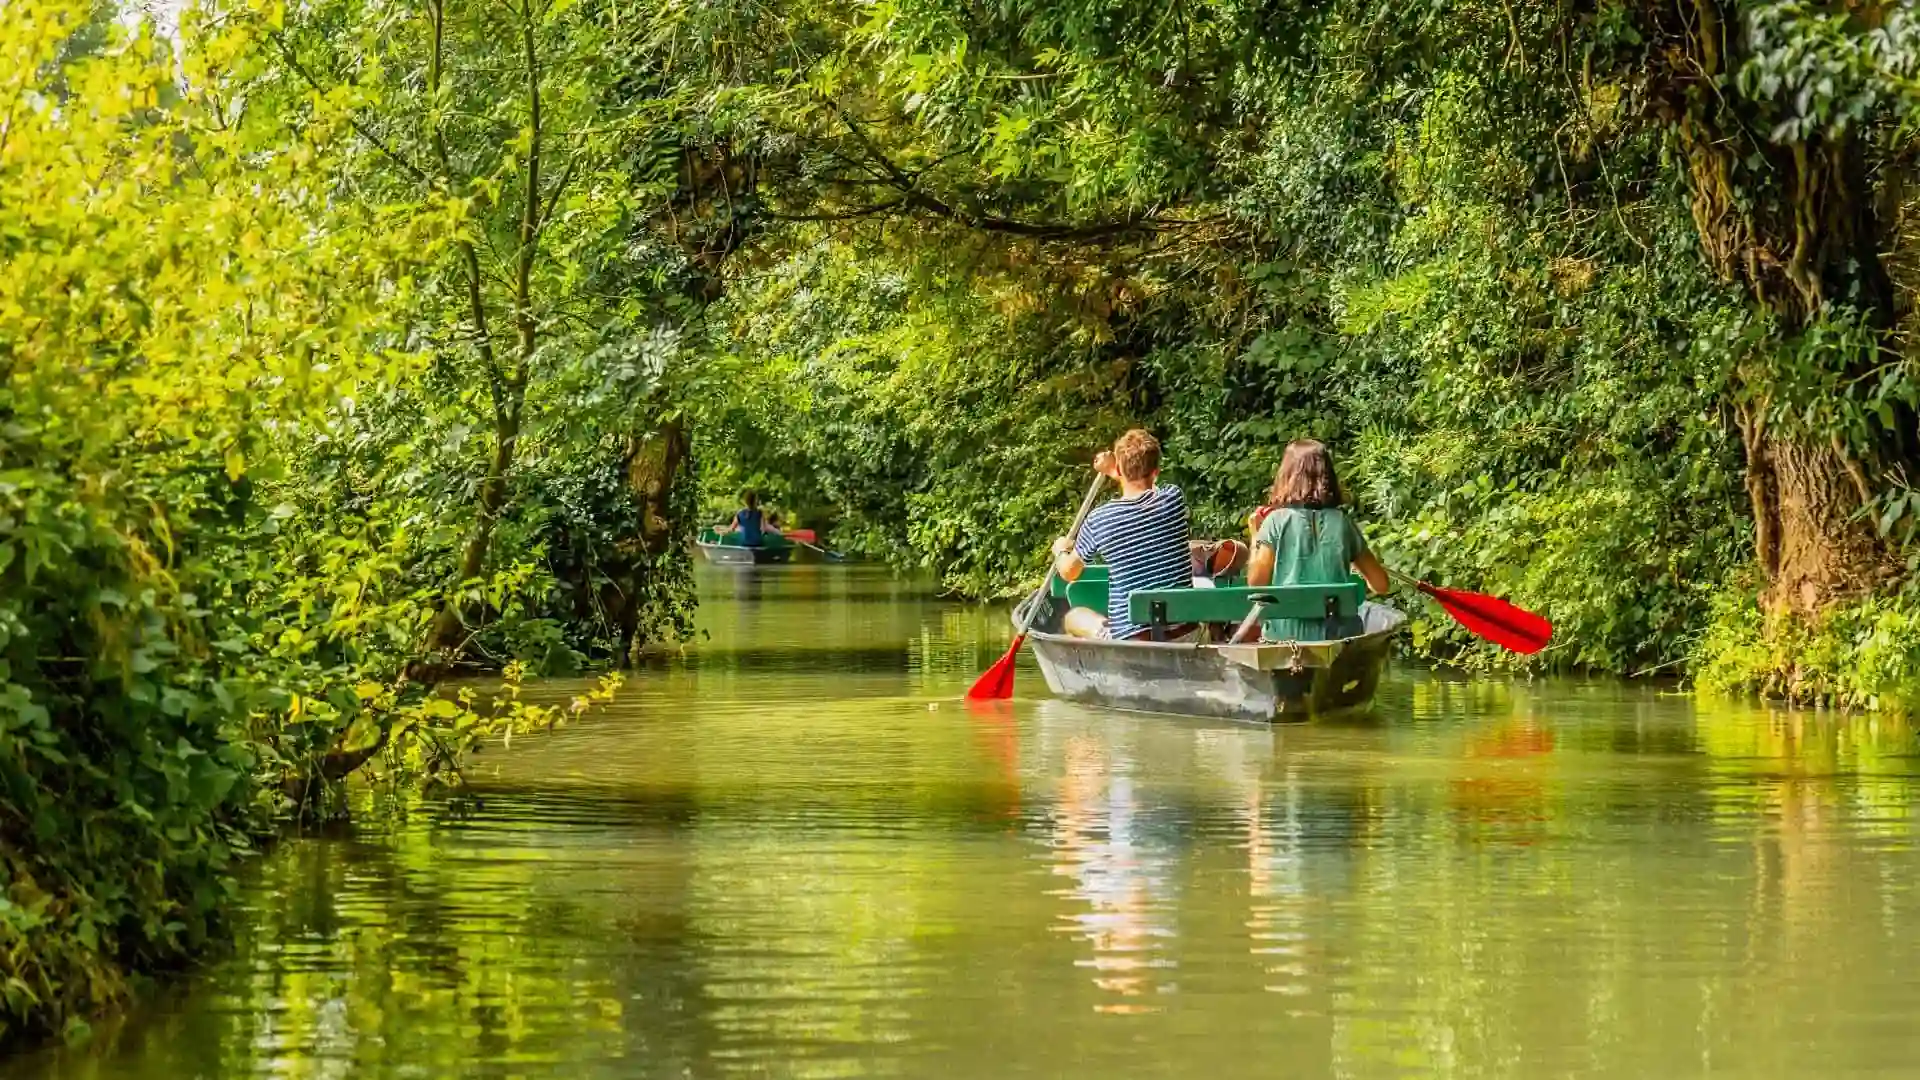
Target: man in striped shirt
1142	536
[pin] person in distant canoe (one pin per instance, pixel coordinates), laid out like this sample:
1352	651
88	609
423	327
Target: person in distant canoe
1303	537
749	522
1144	538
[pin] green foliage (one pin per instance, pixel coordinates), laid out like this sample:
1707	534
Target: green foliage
188	654
1437	275
353	342
150	321
934	447
1864	654
1499	256
547	313
1823	72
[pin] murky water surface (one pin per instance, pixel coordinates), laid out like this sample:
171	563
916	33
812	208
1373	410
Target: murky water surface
796	855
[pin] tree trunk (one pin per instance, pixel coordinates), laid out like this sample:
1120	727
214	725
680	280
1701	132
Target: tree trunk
654	465
1796	224
1811	541
508	388
651	471
450	623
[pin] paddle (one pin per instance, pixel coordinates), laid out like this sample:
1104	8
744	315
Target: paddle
832	556
1488	617
997	682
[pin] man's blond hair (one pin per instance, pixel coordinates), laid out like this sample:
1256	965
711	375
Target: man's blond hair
1137	454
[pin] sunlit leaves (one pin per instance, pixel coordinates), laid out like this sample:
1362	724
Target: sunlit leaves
1826	72
185	298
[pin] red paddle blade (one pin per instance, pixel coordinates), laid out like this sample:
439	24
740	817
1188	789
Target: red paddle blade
1494	619
997	682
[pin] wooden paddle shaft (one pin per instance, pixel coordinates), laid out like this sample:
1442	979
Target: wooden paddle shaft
1249	628
1053	560
818	548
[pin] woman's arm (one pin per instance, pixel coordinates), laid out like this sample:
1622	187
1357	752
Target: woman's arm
1260	567
1255	520
1376	574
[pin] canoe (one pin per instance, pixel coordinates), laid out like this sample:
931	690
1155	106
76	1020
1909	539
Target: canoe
735	555
1261	682
715	548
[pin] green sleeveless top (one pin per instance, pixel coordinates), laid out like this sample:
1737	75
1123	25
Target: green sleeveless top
1310	547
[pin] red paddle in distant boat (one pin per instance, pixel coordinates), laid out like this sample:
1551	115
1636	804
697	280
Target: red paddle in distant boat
1489	617
997	682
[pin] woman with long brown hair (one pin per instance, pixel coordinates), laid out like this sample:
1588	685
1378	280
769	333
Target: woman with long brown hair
1306	537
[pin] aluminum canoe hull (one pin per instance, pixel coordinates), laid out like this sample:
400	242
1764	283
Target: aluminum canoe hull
1263	683
735	555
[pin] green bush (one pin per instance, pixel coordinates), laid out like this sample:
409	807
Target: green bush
126	778
1863	654
197	642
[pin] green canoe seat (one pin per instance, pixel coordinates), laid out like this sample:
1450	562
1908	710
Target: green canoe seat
1092	590
1088	594
1172	607
1094	573
1098	572
1089	590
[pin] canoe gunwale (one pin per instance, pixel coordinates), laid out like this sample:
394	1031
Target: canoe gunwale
1260	655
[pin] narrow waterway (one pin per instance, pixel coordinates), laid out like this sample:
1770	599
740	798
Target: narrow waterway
795	854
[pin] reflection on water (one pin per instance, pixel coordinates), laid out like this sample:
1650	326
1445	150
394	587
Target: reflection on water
793	853
1102	849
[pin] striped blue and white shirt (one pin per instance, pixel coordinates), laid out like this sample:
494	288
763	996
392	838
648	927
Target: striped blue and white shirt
1143	541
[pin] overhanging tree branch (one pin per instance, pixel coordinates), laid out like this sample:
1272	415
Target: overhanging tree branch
469	255
844	215
359	127
914	196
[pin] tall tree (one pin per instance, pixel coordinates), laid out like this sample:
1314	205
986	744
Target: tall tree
496	121
1794	121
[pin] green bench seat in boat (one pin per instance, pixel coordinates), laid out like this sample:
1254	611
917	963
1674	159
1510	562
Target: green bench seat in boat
1161	608
1088	590
1091	590
1088	594
1096	574
1088	576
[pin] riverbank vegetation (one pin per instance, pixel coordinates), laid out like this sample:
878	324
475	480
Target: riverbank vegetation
1606	308
346	346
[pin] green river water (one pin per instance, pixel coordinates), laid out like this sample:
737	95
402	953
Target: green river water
795	854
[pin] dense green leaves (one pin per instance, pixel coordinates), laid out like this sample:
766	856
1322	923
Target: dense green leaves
1500	255
189	651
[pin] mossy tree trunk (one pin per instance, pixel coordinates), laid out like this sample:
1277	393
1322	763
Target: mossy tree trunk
1796	224
712	213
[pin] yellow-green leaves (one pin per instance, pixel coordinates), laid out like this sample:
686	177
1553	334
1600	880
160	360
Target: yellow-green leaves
183	293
